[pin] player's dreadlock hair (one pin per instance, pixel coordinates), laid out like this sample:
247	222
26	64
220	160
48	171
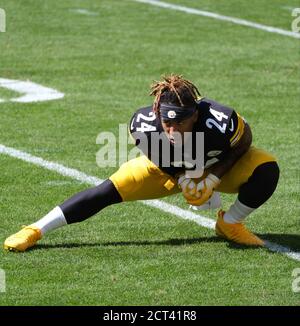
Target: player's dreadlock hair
174	89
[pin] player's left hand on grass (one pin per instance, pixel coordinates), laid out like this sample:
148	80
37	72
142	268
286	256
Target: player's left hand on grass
197	194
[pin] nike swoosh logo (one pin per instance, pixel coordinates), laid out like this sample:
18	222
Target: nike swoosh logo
131	125
232	125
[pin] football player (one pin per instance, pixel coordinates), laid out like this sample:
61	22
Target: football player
231	165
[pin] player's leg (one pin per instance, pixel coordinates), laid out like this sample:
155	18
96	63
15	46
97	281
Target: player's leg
140	179
136	179
76	209
255	178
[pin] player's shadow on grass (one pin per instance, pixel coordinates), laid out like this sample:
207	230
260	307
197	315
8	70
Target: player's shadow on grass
286	241
167	242
291	241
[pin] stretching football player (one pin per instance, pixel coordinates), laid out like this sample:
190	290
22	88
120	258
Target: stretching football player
231	165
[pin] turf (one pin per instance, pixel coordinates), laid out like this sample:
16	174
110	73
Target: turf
132	254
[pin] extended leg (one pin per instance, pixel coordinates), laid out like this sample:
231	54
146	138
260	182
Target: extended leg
76	209
136	179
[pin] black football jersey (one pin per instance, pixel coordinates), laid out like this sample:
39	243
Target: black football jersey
222	128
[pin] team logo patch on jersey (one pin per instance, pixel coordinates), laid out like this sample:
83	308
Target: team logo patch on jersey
171	114
213	153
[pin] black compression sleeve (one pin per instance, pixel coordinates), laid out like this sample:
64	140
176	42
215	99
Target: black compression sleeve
260	186
89	202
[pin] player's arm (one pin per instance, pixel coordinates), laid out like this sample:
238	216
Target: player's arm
240	148
198	194
238	136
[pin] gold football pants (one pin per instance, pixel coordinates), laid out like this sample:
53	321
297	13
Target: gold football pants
140	179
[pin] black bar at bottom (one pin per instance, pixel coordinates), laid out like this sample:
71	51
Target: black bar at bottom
136	314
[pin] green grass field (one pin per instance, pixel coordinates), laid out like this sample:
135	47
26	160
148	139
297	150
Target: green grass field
104	61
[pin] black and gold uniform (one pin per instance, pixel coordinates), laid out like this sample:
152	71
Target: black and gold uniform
227	164
223	127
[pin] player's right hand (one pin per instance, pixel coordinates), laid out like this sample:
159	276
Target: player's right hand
189	188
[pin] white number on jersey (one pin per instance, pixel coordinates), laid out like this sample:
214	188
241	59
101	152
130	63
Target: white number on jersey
210	123
145	127
211	162
144	117
218	115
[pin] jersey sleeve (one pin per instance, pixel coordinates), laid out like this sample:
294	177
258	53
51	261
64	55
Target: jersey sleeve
225	124
235	129
141	125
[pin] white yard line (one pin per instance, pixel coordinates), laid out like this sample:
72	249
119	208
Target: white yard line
163	206
213	15
32	92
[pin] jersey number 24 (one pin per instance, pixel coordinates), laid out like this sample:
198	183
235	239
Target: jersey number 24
210	123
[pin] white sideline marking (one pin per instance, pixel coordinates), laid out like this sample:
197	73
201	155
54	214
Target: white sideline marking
183	213
168	208
54	183
67	172
33	92
84	12
233	20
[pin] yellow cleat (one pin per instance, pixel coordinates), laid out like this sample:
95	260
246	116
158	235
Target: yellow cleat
236	232
23	239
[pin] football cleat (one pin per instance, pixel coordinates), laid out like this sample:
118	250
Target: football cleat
236	232
23	239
